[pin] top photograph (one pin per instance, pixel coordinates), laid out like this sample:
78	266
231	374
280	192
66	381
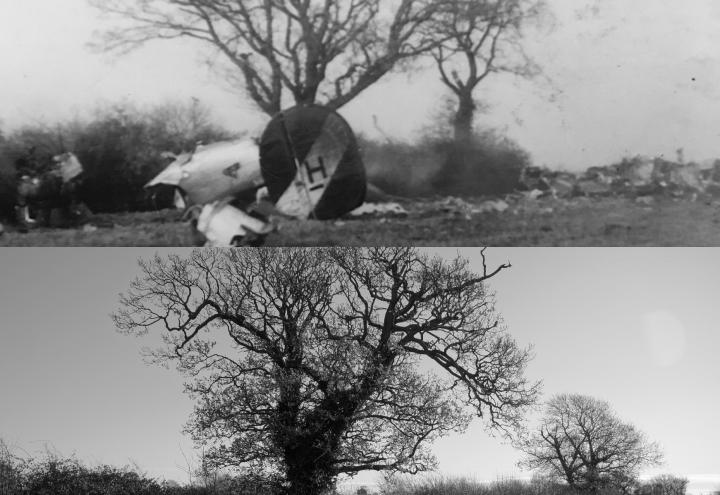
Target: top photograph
359	122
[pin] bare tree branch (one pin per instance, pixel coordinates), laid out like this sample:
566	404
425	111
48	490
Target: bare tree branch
314	50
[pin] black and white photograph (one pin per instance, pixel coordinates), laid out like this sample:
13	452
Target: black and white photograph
393	371
359	122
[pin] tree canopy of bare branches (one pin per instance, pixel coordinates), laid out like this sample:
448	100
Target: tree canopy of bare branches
315	49
582	442
477	38
304	362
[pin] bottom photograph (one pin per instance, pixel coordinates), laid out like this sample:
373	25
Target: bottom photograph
386	370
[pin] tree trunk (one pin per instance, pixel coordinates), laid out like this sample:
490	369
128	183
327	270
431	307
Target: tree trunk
308	471
306	95
310	456
463	121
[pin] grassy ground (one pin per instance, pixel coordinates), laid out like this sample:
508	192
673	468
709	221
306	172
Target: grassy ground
547	222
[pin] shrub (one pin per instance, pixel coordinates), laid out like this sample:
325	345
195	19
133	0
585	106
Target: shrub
58	476
11	471
664	484
404	169
489	164
120	149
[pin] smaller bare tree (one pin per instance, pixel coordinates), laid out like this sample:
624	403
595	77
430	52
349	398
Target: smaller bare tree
582	442
665	484
478	38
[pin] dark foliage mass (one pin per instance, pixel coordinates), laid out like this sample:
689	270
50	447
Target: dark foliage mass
664	484
57	475
7	188
487	164
120	149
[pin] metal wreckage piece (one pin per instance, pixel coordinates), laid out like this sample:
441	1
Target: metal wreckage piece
307	165
212	172
224	225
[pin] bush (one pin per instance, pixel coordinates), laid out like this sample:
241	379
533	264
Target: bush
120	149
404	169
56	475
11	469
489	164
664	484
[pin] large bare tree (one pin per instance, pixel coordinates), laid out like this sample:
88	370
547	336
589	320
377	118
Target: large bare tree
318	50
477	38
582	442
304	362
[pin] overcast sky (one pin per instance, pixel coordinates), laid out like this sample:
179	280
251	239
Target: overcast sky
627	78
635	327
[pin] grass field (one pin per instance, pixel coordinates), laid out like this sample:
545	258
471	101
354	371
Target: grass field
543	222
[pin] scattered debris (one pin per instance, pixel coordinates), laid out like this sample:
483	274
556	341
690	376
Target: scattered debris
645	200
497	205
379	209
590	187
534	194
456	206
637	171
641	180
632	177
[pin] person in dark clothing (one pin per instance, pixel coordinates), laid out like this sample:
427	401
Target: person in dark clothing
27	165
27	172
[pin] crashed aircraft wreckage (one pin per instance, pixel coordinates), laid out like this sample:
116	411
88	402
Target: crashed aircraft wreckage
307	165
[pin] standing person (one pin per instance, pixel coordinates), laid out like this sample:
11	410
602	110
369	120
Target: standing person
27	170
27	165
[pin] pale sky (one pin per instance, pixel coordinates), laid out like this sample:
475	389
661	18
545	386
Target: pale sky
635	327
627	78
